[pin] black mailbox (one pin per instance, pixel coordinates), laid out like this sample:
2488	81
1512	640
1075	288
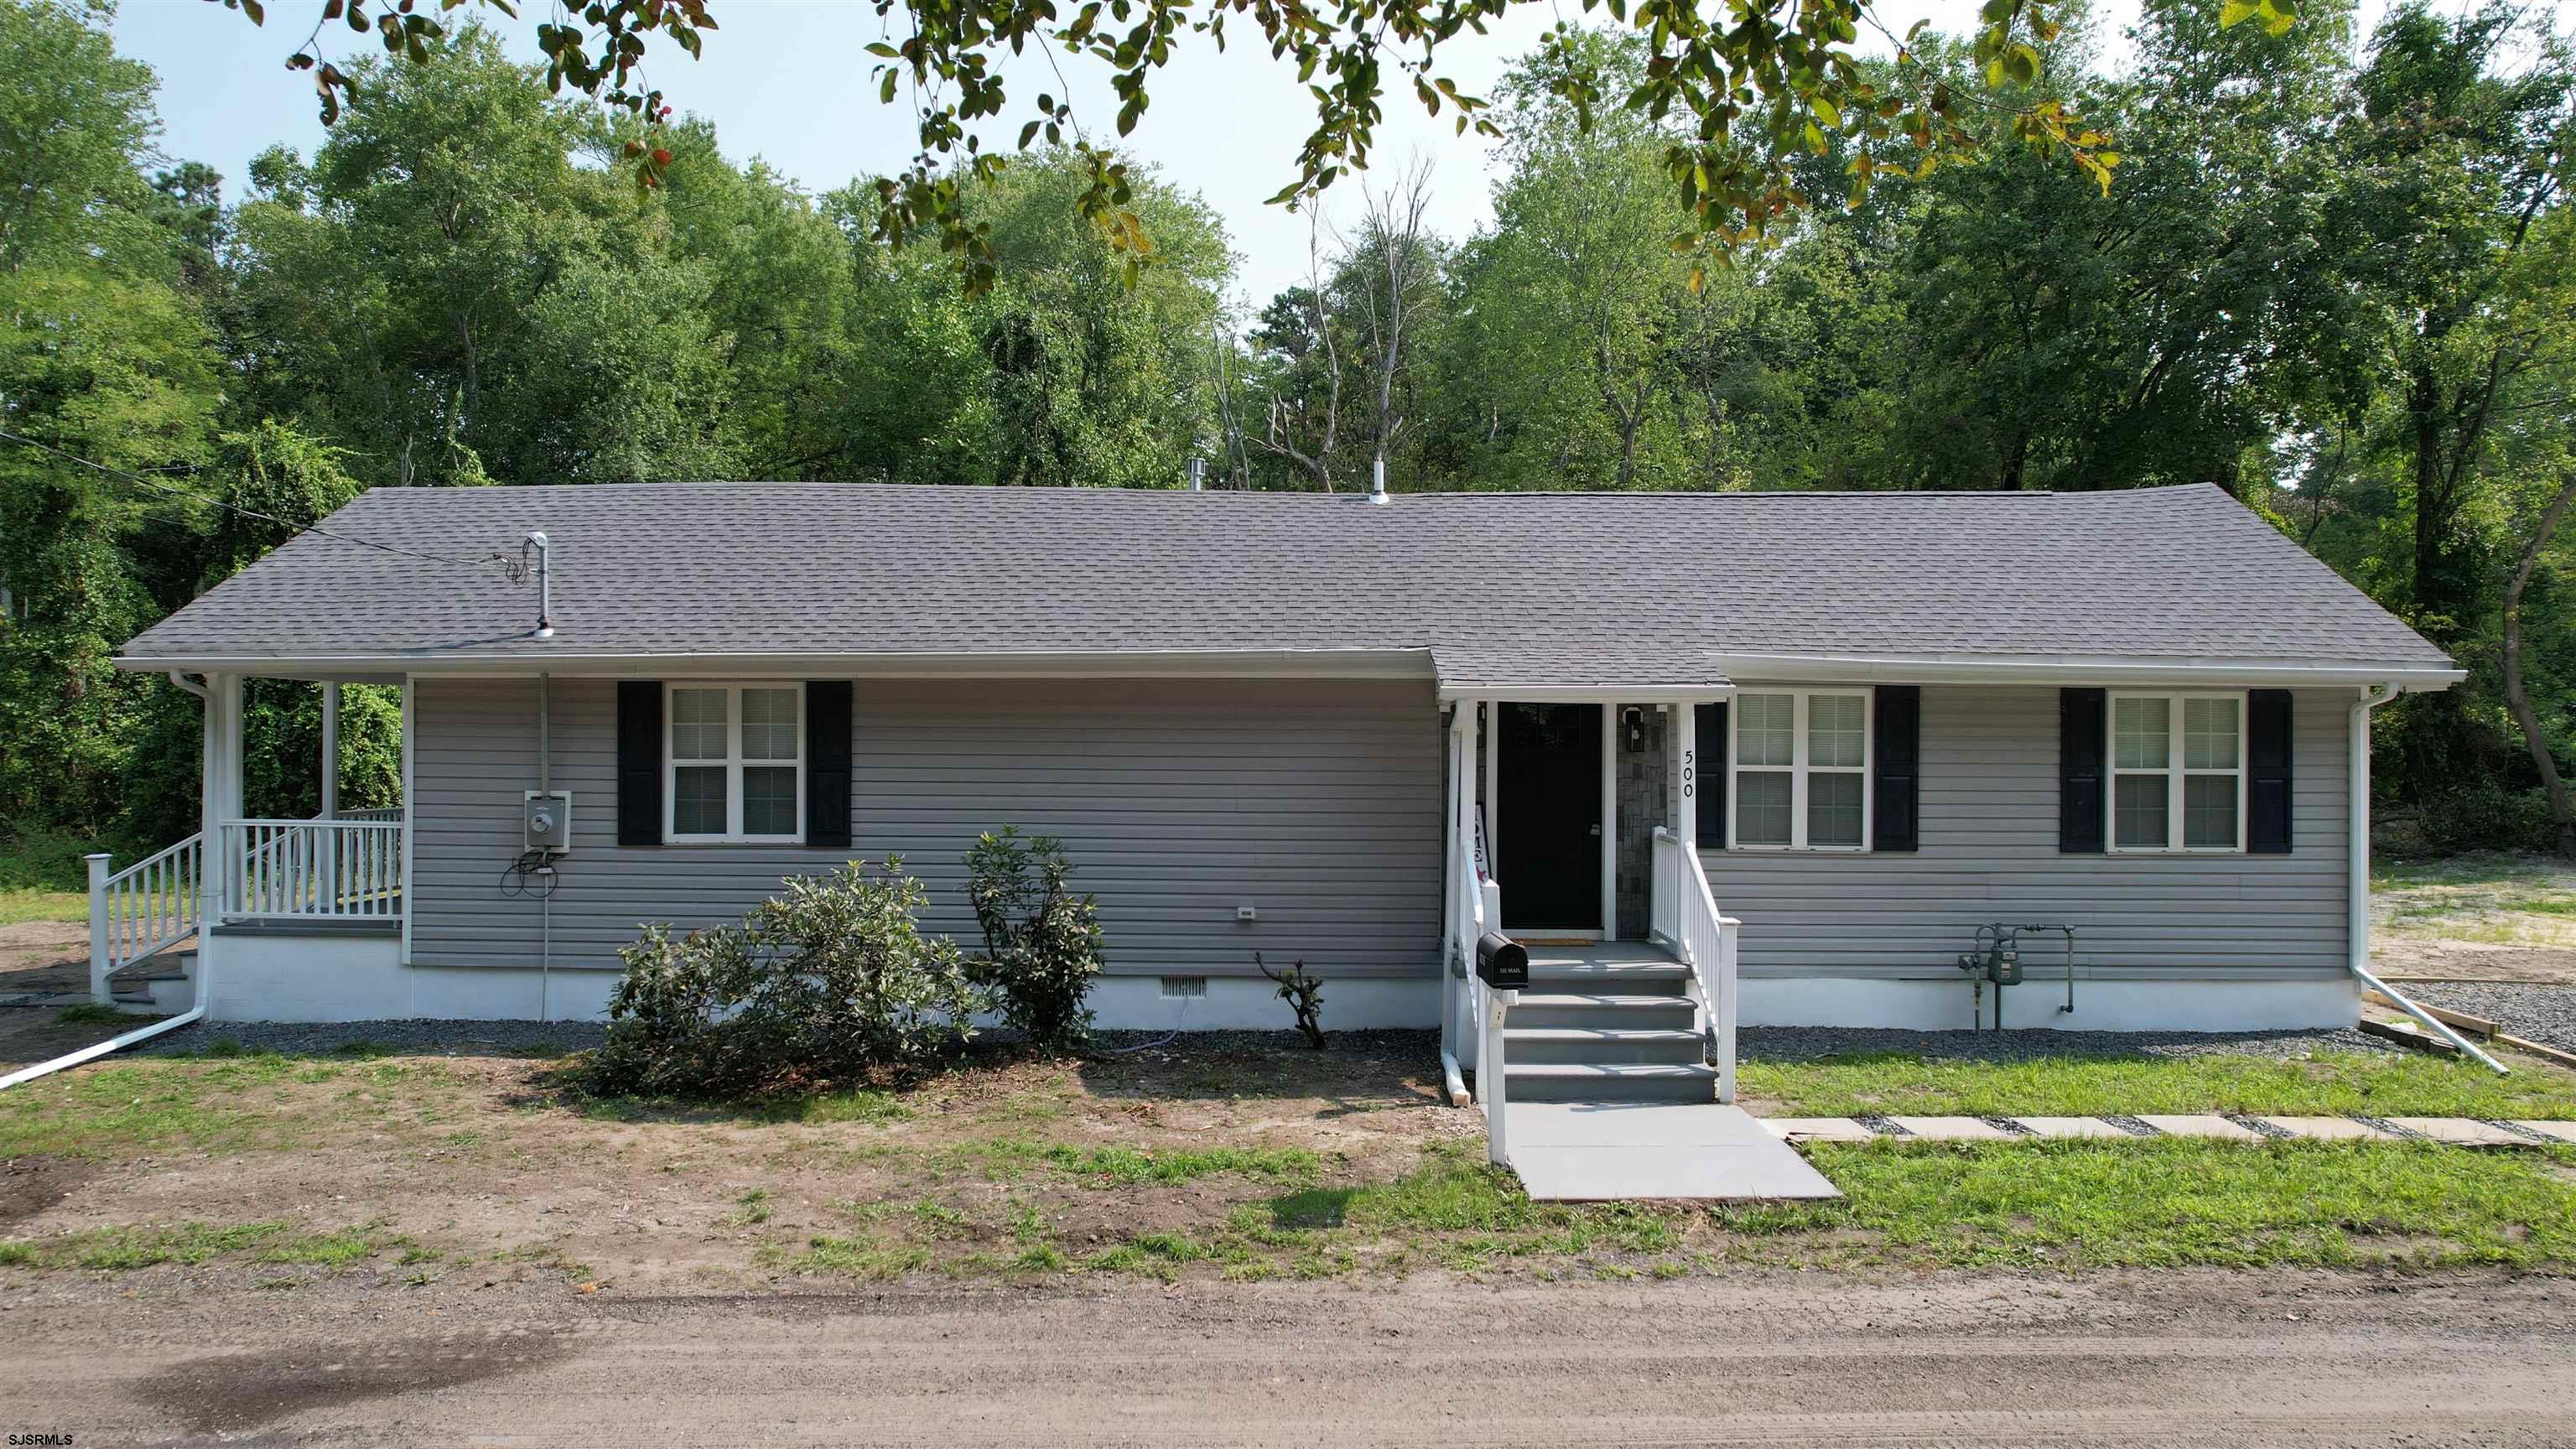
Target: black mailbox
1501	962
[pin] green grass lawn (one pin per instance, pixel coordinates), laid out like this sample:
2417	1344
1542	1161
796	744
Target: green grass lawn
2372	1084
19	906
43	878
2494	899
2031	1205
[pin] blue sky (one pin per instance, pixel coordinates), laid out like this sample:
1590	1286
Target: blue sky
785	80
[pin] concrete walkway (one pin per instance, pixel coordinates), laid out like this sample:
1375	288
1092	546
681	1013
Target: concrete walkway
1614	1151
2457	1131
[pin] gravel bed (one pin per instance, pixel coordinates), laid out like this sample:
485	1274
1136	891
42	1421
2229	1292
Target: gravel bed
2545	1014
2009	1127
2132	1126
422	1037
2260	1127
1813	1043
2391	1128
1882	1126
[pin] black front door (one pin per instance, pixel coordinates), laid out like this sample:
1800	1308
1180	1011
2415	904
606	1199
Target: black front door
1547	826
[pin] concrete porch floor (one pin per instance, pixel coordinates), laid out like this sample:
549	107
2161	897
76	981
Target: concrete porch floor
1608	1151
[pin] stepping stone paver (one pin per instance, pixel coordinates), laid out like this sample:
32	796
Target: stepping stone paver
2329	1129
2203	1124
1817	1129
2071	1127
1952	1129
2461	1131
2555	1131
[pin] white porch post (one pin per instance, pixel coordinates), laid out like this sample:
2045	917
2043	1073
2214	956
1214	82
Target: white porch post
98	942
221	795
330	751
1686	797
1490	730
1609	822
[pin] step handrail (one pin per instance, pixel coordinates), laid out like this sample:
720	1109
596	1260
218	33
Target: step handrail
145	908
1684	914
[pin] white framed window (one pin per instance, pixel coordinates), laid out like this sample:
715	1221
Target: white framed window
2177	773
1798	770
733	763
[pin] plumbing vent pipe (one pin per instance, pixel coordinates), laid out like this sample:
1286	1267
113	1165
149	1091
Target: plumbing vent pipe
545	586
1377	482
1198	474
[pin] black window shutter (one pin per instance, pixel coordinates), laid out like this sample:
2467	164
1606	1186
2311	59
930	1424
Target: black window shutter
1708	730
827	763
639	762
2267	772
2082	715
1896	751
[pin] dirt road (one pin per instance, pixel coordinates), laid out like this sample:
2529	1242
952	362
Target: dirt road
2171	1359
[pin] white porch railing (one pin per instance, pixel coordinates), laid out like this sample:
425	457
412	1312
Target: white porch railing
337	869
1685	917
149	906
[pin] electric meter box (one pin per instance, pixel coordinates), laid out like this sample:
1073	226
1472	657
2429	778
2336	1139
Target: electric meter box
547	824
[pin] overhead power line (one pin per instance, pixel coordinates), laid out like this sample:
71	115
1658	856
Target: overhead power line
155	484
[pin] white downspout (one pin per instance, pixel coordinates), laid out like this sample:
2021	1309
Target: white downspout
190	1017
2357	886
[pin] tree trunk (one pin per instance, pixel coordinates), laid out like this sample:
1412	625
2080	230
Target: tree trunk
2516	697
2432	513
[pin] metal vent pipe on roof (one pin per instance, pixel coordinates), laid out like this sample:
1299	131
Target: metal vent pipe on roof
545	586
1377	481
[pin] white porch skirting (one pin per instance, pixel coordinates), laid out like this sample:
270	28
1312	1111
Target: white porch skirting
361	978
2198	1005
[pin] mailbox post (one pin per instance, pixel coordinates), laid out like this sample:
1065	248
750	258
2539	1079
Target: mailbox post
1503	965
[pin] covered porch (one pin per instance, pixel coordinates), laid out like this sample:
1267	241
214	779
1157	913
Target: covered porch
1605	1063
338	875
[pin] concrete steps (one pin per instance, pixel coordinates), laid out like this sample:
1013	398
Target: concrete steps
1613	1082
1551	1045
163	984
1608	1023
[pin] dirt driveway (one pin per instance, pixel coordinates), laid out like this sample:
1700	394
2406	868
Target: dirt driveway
2170	1359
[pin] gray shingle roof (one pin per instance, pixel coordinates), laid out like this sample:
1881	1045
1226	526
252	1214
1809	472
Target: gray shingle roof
1500	588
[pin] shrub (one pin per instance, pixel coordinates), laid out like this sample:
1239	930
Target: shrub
2484	815
1303	990
825	982
1041	941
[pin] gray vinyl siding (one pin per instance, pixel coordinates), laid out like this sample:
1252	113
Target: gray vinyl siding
1989	853
1315	801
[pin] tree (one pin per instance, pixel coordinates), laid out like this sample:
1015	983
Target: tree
1299	338
2450	166
103	358
2535	737
1391	278
1575	295
1778	81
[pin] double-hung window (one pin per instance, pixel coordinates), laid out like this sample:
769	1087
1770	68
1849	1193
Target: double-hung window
1798	770
735	763
2177	772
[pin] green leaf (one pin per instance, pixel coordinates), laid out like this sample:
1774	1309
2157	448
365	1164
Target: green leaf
2235	13
1826	111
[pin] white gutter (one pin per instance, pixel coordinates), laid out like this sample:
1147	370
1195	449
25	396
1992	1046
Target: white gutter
2069	669
2357	868
1575	693
1390	662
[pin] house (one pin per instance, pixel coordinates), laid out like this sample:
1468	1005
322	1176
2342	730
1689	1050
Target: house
1354	731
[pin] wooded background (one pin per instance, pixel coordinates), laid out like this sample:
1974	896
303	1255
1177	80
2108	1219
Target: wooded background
2333	275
